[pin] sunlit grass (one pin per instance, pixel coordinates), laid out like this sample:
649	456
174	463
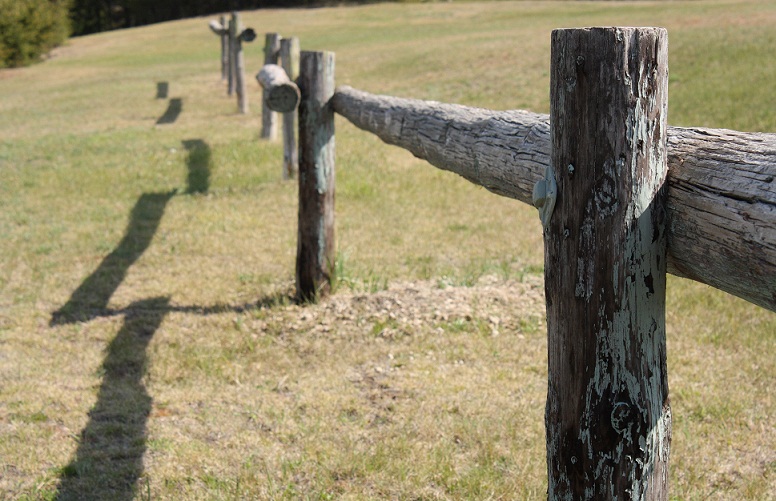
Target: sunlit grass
254	397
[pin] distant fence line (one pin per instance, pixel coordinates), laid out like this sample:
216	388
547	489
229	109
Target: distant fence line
232	35
623	198
281	94
276	50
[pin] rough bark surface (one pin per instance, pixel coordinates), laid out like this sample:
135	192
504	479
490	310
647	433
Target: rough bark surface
281	93
269	119
289	57
721	209
316	247
608	420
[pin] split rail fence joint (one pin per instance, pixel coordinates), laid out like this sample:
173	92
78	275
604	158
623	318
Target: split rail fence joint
218	28
247	35
269	120
281	94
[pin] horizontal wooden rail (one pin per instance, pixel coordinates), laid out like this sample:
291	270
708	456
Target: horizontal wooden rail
721	205
281	93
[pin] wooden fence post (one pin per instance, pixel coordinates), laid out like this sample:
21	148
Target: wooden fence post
230	85
269	122
316	246
221	29
608	417
224	49
289	57
239	58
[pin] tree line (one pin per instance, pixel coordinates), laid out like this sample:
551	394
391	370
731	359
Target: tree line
29	29
92	16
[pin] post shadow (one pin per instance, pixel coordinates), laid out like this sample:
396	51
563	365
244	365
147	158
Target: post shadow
199	163
162	89
173	110
91	298
109	459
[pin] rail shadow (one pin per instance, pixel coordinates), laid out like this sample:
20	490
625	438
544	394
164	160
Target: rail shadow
172	112
200	165
91	298
162	89
109	459
280	298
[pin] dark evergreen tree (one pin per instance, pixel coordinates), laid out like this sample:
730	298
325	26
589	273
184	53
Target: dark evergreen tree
31	28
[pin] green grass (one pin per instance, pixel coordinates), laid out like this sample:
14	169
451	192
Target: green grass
191	375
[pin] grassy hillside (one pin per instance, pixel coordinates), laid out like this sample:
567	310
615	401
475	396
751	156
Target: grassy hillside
148	348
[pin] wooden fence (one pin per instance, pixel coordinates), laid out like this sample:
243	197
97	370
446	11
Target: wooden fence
232	36
623	199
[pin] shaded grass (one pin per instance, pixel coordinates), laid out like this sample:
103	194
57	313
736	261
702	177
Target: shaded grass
248	399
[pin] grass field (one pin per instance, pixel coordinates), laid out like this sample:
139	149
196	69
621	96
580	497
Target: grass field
148	346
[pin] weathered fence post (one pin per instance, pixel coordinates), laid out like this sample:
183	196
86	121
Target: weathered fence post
221	29
316	246
232	35
289	57
224	35
608	417
240	35
269	123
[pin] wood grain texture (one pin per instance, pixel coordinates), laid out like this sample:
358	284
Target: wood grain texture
607	417
316	245
721	208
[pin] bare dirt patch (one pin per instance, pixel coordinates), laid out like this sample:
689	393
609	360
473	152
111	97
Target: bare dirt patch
407	306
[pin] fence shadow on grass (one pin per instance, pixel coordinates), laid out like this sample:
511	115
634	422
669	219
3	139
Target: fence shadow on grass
271	300
200	165
109	459
91	298
162	89
172	112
